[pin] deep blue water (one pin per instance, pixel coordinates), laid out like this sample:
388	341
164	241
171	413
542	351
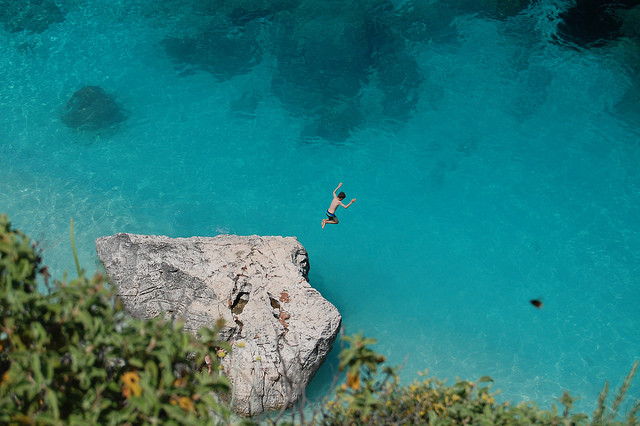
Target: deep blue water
491	166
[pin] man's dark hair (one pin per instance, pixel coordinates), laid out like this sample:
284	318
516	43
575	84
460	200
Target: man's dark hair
341	195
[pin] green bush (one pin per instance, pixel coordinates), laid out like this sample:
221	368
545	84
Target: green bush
71	356
365	399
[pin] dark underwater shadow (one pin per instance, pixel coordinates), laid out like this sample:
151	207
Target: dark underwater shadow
94	113
31	16
608	28
628	107
593	23
221	48
325	54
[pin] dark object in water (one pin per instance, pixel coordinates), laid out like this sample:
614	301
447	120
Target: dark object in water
30	16
221	49
537	303
91	108
592	23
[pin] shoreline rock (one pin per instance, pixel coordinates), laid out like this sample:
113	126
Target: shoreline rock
258	285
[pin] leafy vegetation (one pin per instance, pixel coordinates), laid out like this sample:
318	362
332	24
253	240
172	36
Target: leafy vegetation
72	356
366	400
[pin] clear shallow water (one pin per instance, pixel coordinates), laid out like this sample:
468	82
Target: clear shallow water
517	177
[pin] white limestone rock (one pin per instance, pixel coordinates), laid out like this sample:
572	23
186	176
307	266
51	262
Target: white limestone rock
258	285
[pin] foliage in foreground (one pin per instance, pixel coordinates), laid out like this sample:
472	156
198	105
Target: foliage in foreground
365	399
72	357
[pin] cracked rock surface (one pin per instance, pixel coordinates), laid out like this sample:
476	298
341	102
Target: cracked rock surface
258	285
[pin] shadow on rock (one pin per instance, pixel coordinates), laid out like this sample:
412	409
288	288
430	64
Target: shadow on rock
31	16
92	109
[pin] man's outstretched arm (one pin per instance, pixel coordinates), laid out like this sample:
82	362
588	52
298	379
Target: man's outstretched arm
347	206
336	190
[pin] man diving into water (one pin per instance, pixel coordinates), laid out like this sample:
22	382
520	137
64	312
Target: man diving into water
337	201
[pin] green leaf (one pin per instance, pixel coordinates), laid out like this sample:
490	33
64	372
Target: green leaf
36	368
135	362
151	369
52	404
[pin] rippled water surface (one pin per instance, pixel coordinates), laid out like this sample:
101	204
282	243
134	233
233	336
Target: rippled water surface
491	166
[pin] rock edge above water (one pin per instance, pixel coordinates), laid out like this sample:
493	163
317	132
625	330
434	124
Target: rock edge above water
257	284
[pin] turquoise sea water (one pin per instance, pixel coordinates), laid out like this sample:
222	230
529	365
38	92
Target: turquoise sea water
515	176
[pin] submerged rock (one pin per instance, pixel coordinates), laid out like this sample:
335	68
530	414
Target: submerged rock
245	10
592	23
222	49
31	16
334	124
91	108
246	105
497	9
330	52
324	54
258	285
323	60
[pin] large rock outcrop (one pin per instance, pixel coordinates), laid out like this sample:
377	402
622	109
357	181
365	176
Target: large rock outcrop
258	285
